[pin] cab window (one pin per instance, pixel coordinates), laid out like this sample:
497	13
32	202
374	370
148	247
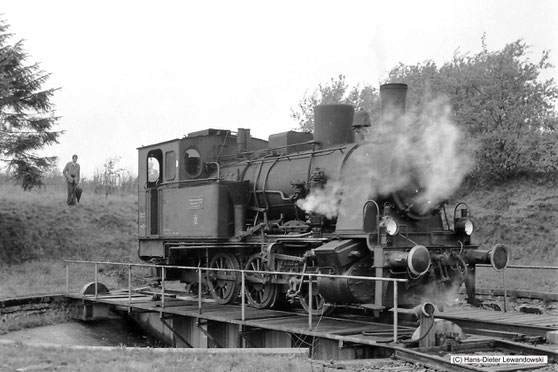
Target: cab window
192	163
170	165
152	169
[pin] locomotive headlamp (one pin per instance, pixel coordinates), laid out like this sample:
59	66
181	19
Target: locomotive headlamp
465	226
392	228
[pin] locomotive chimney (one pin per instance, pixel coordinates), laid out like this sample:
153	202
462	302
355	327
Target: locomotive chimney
393	97
242	139
333	124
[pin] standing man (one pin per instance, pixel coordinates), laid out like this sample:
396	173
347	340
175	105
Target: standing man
71	172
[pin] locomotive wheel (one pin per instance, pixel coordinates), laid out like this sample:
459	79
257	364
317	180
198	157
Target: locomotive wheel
224	285
319	306
260	291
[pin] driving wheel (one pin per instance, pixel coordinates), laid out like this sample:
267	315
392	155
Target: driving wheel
224	285
260	291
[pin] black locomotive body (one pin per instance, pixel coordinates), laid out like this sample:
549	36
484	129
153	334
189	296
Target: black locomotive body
303	203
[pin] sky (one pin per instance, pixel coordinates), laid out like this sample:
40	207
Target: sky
134	73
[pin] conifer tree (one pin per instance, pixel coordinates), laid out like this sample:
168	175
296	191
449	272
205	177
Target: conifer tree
26	114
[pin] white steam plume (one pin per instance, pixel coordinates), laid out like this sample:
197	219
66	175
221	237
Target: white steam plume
422	154
431	145
323	200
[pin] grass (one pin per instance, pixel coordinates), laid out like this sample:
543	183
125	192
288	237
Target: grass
39	231
518	279
521	214
49	277
39	225
23	357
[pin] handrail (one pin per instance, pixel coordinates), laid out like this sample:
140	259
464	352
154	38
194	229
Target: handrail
243	283
524	267
240	270
504	277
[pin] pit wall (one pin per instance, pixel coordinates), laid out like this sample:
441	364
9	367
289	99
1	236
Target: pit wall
201	333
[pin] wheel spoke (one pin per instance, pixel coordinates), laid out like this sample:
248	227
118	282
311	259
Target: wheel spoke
261	293
319	305
224	284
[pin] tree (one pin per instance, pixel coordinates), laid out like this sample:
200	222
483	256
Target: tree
26	114
336	91
497	99
112	178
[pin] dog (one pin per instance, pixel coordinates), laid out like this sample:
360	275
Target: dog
79	191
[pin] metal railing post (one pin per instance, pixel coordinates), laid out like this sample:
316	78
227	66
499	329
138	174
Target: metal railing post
129	288
243	295
96	279
309	301
395	314
67	278
199	290
505	290
163	287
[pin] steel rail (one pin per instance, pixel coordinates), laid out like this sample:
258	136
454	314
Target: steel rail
491	344
433	361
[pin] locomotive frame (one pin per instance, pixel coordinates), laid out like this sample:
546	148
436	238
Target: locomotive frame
228	201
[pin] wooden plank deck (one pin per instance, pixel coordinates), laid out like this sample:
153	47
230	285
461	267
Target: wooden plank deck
535	320
501	318
349	328
355	327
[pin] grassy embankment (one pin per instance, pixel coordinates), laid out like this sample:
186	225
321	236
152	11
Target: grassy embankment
38	231
18	357
523	215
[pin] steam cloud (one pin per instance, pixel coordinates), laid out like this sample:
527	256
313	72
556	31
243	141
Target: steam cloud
323	200
421	154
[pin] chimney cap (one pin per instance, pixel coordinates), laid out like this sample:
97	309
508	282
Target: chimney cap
393	86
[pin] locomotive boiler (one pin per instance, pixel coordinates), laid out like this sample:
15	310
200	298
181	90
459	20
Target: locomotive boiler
333	202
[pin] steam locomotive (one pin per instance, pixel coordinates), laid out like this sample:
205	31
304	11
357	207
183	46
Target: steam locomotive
332	202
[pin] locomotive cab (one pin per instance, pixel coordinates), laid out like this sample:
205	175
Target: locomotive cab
181	194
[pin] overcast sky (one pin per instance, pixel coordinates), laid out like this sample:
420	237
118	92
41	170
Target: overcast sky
134	73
